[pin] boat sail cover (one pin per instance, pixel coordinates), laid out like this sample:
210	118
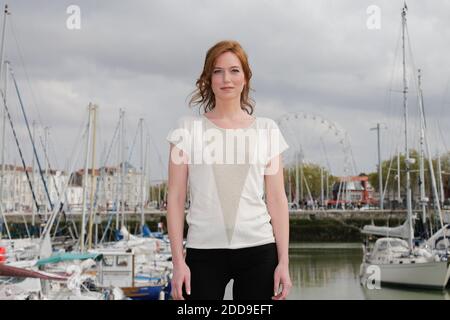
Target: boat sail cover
395	232
69	257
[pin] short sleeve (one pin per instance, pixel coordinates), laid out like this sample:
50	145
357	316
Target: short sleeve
180	136
277	143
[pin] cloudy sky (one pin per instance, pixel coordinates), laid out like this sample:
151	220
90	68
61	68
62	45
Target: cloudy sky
326	58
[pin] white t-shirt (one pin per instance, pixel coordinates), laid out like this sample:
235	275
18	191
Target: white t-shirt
226	169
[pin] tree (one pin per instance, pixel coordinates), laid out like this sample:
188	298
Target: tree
311	174
389	168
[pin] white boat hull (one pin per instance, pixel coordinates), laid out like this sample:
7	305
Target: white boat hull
429	274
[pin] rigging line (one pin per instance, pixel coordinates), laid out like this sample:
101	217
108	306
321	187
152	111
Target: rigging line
70	179
49	165
54	181
52	151
355	168
30	135
392	122
394	130
78	137
22	61
101	141
413	64
20	152
441	114
324	150
76	156
102	177
114	212
100	180
443	140
111	144
157	151
51	145
422	111
413	81
387	179
388	96
414	74
133	144
397	126
45	151
443	103
436	134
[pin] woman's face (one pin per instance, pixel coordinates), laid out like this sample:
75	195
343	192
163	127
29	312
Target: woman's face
227	79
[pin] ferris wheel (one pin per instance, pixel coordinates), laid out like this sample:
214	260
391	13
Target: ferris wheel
317	140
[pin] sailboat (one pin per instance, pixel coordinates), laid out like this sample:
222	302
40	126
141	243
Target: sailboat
394	260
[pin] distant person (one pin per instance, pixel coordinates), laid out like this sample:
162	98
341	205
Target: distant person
161	227
232	233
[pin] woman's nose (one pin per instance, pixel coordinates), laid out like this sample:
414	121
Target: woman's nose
226	76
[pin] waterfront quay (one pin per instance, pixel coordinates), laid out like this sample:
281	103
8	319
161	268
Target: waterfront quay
157	215
305	225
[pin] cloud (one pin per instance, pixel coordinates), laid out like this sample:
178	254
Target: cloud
306	56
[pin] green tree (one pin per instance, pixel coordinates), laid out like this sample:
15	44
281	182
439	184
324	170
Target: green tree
311	180
389	168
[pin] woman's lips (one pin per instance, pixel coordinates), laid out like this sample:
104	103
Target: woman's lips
227	88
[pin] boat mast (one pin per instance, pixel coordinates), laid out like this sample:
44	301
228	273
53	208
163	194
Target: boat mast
408	161
321	187
33	214
423	199
118	173
399	193
380	168
141	124
122	171
85	179
297	185
289	185
46	129
2	174
430	161
441	184
328	167
93	184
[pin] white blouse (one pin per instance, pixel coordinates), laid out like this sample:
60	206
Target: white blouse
226	169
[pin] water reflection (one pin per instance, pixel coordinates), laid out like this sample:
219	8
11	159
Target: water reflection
331	271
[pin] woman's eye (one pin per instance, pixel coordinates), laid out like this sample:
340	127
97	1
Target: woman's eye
216	71
235	70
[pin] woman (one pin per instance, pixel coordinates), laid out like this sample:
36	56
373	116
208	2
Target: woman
232	233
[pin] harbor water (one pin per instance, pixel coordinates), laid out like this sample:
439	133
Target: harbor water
330	271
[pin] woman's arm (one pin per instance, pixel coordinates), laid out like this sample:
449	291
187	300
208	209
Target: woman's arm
277	205
176	198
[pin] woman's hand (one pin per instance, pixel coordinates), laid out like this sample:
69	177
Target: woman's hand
281	277
181	275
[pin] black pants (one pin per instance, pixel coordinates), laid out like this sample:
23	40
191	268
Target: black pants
252	270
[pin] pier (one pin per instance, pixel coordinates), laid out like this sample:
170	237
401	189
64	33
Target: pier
156	215
305	225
